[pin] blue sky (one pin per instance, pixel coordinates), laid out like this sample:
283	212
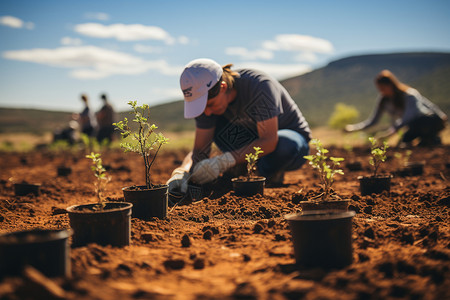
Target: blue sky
51	51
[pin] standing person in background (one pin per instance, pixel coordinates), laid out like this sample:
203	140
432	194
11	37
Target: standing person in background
105	119
85	119
407	107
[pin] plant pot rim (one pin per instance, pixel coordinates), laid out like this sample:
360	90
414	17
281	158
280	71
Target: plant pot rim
26	183
72	209
325	201
319	215
42	235
376	177
415	163
128	188
252	179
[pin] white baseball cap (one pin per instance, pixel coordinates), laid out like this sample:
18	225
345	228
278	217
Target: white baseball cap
198	77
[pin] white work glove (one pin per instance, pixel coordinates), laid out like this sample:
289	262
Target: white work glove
178	183
209	169
350	128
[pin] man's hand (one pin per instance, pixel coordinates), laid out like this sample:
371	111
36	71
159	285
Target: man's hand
178	183
349	128
209	169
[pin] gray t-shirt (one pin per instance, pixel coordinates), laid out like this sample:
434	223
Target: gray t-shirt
259	97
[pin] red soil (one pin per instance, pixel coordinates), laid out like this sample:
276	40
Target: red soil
230	247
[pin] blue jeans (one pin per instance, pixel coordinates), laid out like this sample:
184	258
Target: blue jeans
287	156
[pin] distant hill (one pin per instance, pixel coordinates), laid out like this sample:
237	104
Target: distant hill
348	80
31	120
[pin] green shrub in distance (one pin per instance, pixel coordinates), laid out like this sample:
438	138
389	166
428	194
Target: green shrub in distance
342	115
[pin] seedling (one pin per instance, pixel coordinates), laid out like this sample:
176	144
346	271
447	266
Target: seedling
100	174
144	140
320	162
403	157
252	159
378	154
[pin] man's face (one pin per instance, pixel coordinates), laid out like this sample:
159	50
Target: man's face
217	105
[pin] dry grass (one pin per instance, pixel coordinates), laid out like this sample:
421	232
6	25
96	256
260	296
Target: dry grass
185	140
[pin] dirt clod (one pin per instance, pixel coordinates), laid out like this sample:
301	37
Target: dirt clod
185	241
174	264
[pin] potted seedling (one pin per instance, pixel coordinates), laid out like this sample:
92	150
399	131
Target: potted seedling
352	164
251	184
407	167
103	223
63	147
376	183
45	250
322	232
327	168
149	200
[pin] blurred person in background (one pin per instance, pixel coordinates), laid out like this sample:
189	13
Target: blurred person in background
408	108
105	119
239	110
86	119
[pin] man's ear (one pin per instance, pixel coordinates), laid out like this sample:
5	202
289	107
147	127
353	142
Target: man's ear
223	86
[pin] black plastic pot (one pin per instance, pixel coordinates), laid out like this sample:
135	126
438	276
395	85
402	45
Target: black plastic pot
64	171
415	168
322	239
22	189
109	226
325	205
147	203
45	250
374	185
246	188
354	166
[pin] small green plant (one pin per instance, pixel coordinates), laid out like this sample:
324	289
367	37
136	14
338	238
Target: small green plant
348	148
251	159
320	162
403	157
90	143
378	154
144	140
100	174
342	115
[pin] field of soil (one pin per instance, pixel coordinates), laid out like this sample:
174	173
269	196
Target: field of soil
237	248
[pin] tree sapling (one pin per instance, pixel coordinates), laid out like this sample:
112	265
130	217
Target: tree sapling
320	162
378	154
100	174
403	157
144	140
252	159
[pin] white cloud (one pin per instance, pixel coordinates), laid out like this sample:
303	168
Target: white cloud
68	41
297	42
168	93
90	62
184	40
246	54
124	32
279	71
101	16
307	56
146	49
14	22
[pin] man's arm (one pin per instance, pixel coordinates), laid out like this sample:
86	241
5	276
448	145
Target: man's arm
202	145
268	139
